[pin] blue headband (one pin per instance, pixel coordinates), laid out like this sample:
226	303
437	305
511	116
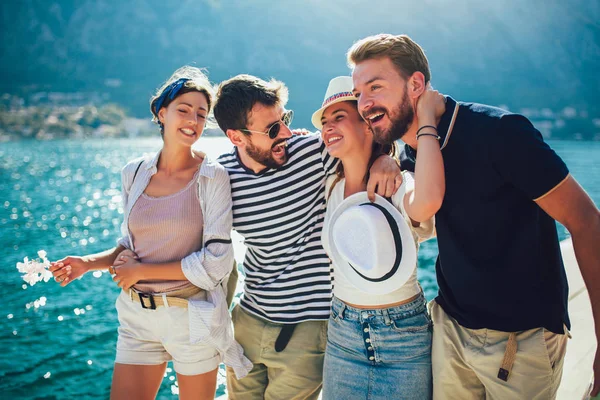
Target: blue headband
170	91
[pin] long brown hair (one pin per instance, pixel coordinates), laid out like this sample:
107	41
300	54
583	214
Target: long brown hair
377	150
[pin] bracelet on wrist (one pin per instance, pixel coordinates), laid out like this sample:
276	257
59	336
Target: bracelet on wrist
426	126
435	135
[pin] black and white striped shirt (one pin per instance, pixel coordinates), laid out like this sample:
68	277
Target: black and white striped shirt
280	214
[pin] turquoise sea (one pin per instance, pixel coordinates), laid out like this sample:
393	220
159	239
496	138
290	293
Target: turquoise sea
64	197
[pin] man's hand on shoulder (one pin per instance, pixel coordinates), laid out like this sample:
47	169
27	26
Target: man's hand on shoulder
301	132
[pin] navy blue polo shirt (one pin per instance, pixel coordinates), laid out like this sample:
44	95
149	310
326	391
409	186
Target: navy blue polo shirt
499	264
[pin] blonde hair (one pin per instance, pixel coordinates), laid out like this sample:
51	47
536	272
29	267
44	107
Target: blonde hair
197	82
406	55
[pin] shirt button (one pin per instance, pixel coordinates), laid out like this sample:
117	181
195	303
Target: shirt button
370	348
366	329
368	340
371	358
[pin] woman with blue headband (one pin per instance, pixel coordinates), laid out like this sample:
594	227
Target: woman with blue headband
175	256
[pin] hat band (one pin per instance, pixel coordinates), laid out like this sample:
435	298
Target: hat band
335	97
397	243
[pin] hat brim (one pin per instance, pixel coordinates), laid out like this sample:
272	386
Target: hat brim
316	117
409	250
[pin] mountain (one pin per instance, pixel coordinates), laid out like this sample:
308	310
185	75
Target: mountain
521	54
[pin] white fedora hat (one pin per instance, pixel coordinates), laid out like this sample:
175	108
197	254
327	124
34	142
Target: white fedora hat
371	244
339	89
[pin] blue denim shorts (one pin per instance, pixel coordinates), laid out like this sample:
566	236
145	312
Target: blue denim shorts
378	354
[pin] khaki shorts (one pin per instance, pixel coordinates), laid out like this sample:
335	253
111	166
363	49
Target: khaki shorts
152	337
466	361
294	373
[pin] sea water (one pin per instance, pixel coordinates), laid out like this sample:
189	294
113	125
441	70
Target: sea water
64	197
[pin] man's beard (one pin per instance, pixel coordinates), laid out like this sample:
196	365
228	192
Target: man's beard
265	157
404	115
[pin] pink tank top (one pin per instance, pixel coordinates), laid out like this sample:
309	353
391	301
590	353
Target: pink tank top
166	229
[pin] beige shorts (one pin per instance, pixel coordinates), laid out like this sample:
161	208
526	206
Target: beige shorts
152	337
466	361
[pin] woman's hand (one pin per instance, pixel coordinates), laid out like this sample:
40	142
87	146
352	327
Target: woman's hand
127	272
430	106
426	197
68	269
120	259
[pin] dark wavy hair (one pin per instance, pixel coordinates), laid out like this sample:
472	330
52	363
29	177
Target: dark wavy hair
197	82
237	96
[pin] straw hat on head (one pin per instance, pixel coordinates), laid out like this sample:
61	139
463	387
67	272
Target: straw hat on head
339	89
370	244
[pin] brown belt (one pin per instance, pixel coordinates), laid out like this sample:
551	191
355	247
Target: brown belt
177	298
509	357
511	352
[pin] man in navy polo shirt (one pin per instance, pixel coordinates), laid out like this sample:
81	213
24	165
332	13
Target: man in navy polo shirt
500	318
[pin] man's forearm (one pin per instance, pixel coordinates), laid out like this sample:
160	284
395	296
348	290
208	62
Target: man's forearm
587	251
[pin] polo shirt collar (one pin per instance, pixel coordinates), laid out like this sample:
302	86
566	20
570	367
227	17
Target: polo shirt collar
446	119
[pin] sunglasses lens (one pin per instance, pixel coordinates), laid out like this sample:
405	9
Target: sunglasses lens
274	131
287	118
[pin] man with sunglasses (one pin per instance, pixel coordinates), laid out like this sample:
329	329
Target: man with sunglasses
278	191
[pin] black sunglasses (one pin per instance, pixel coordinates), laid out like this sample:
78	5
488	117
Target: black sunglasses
273	130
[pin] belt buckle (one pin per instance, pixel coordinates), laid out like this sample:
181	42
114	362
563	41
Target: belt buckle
147	296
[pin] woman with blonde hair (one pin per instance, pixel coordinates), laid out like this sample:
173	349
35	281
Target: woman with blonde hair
175	256
379	335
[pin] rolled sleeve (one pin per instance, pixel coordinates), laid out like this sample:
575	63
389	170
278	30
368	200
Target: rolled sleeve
425	230
126	177
124	241
211	265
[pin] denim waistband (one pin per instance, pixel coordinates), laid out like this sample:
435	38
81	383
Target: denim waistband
344	311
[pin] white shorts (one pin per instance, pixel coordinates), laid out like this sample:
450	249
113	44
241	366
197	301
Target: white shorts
152	337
